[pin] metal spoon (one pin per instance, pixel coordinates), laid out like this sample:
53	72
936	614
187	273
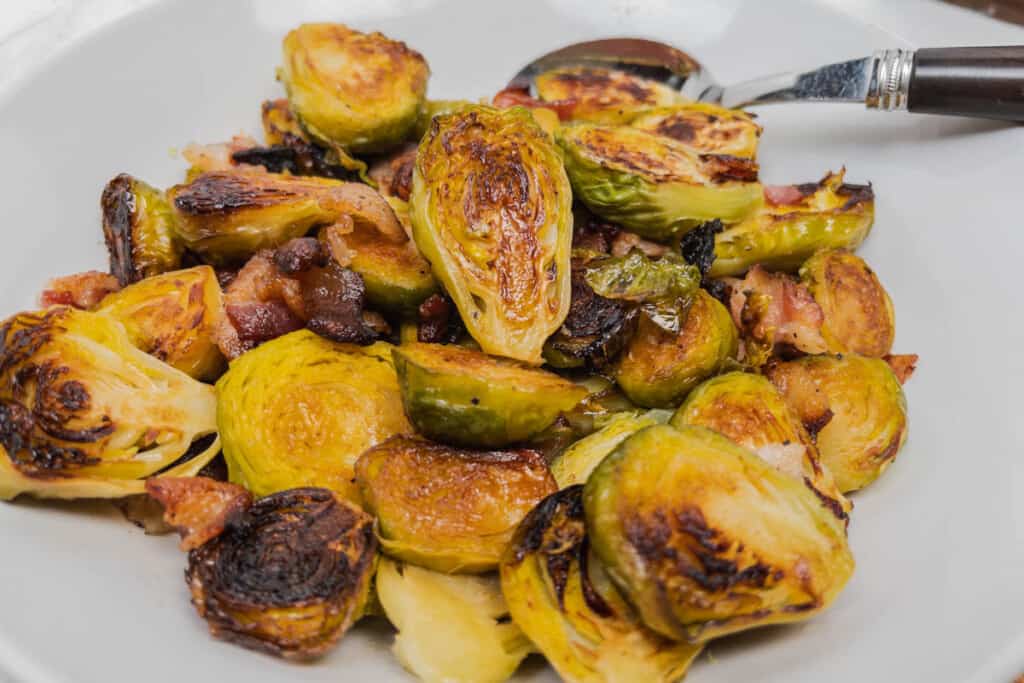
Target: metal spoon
984	82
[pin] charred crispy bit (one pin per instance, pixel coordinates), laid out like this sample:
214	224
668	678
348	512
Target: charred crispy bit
196	507
393	173
81	290
698	245
278	121
439	321
288	576
294	155
902	364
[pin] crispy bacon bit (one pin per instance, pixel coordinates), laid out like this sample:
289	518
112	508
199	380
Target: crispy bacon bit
81	290
334	298
218	156
775	310
198	508
393	173
439	322
625	242
299	255
520	97
591	233
783	195
293	155
902	364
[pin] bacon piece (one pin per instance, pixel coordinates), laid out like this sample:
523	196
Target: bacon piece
513	97
782	195
197	507
81	290
902	364
775	310
218	156
625	241
393	173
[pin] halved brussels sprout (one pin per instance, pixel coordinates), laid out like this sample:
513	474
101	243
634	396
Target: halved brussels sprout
173	317
705	127
359	91
279	122
84	413
659	368
566	604
858	409
468	398
575	463
705	539
492	212
299	410
226	216
750	410
397	277
797	221
447	509
138	227
451	629
432	108
859	315
653	185
589	93
288	576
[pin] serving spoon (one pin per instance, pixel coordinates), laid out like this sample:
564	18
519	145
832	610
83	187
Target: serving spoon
983	82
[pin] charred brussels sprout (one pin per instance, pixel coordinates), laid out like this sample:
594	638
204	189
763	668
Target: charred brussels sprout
704	538
750	410
491	211
575	463
859	315
359	91
173	317
450	628
468	398
397	277
659	368
705	127
447	509
858	407
289	576
652	185
299	410
138	226
226	216
279	122
83	412
566	604
600	95
795	222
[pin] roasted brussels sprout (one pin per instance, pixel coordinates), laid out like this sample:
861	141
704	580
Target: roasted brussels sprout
653	185
468	398
138	226
659	368
600	95
575	463
795	222
359	91
705	127
451	629
289	576
859	316
432	108
704	538
447	509
279	122
299	410
566	604
173	317
491	211
226	216
750	410
83	412
855	405
397	277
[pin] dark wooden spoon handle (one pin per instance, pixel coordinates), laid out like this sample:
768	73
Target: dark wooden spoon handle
986	82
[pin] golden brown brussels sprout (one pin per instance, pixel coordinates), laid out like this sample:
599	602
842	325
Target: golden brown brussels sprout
451	629
659	368
491	211
575	463
468	398
704	538
173	317
705	127
566	604
397	277
138	226
859	316
653	185
856	406
359	91
447	509
432	108
289	576
795	222
226	216
750	410
600	95
299	410
83	412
